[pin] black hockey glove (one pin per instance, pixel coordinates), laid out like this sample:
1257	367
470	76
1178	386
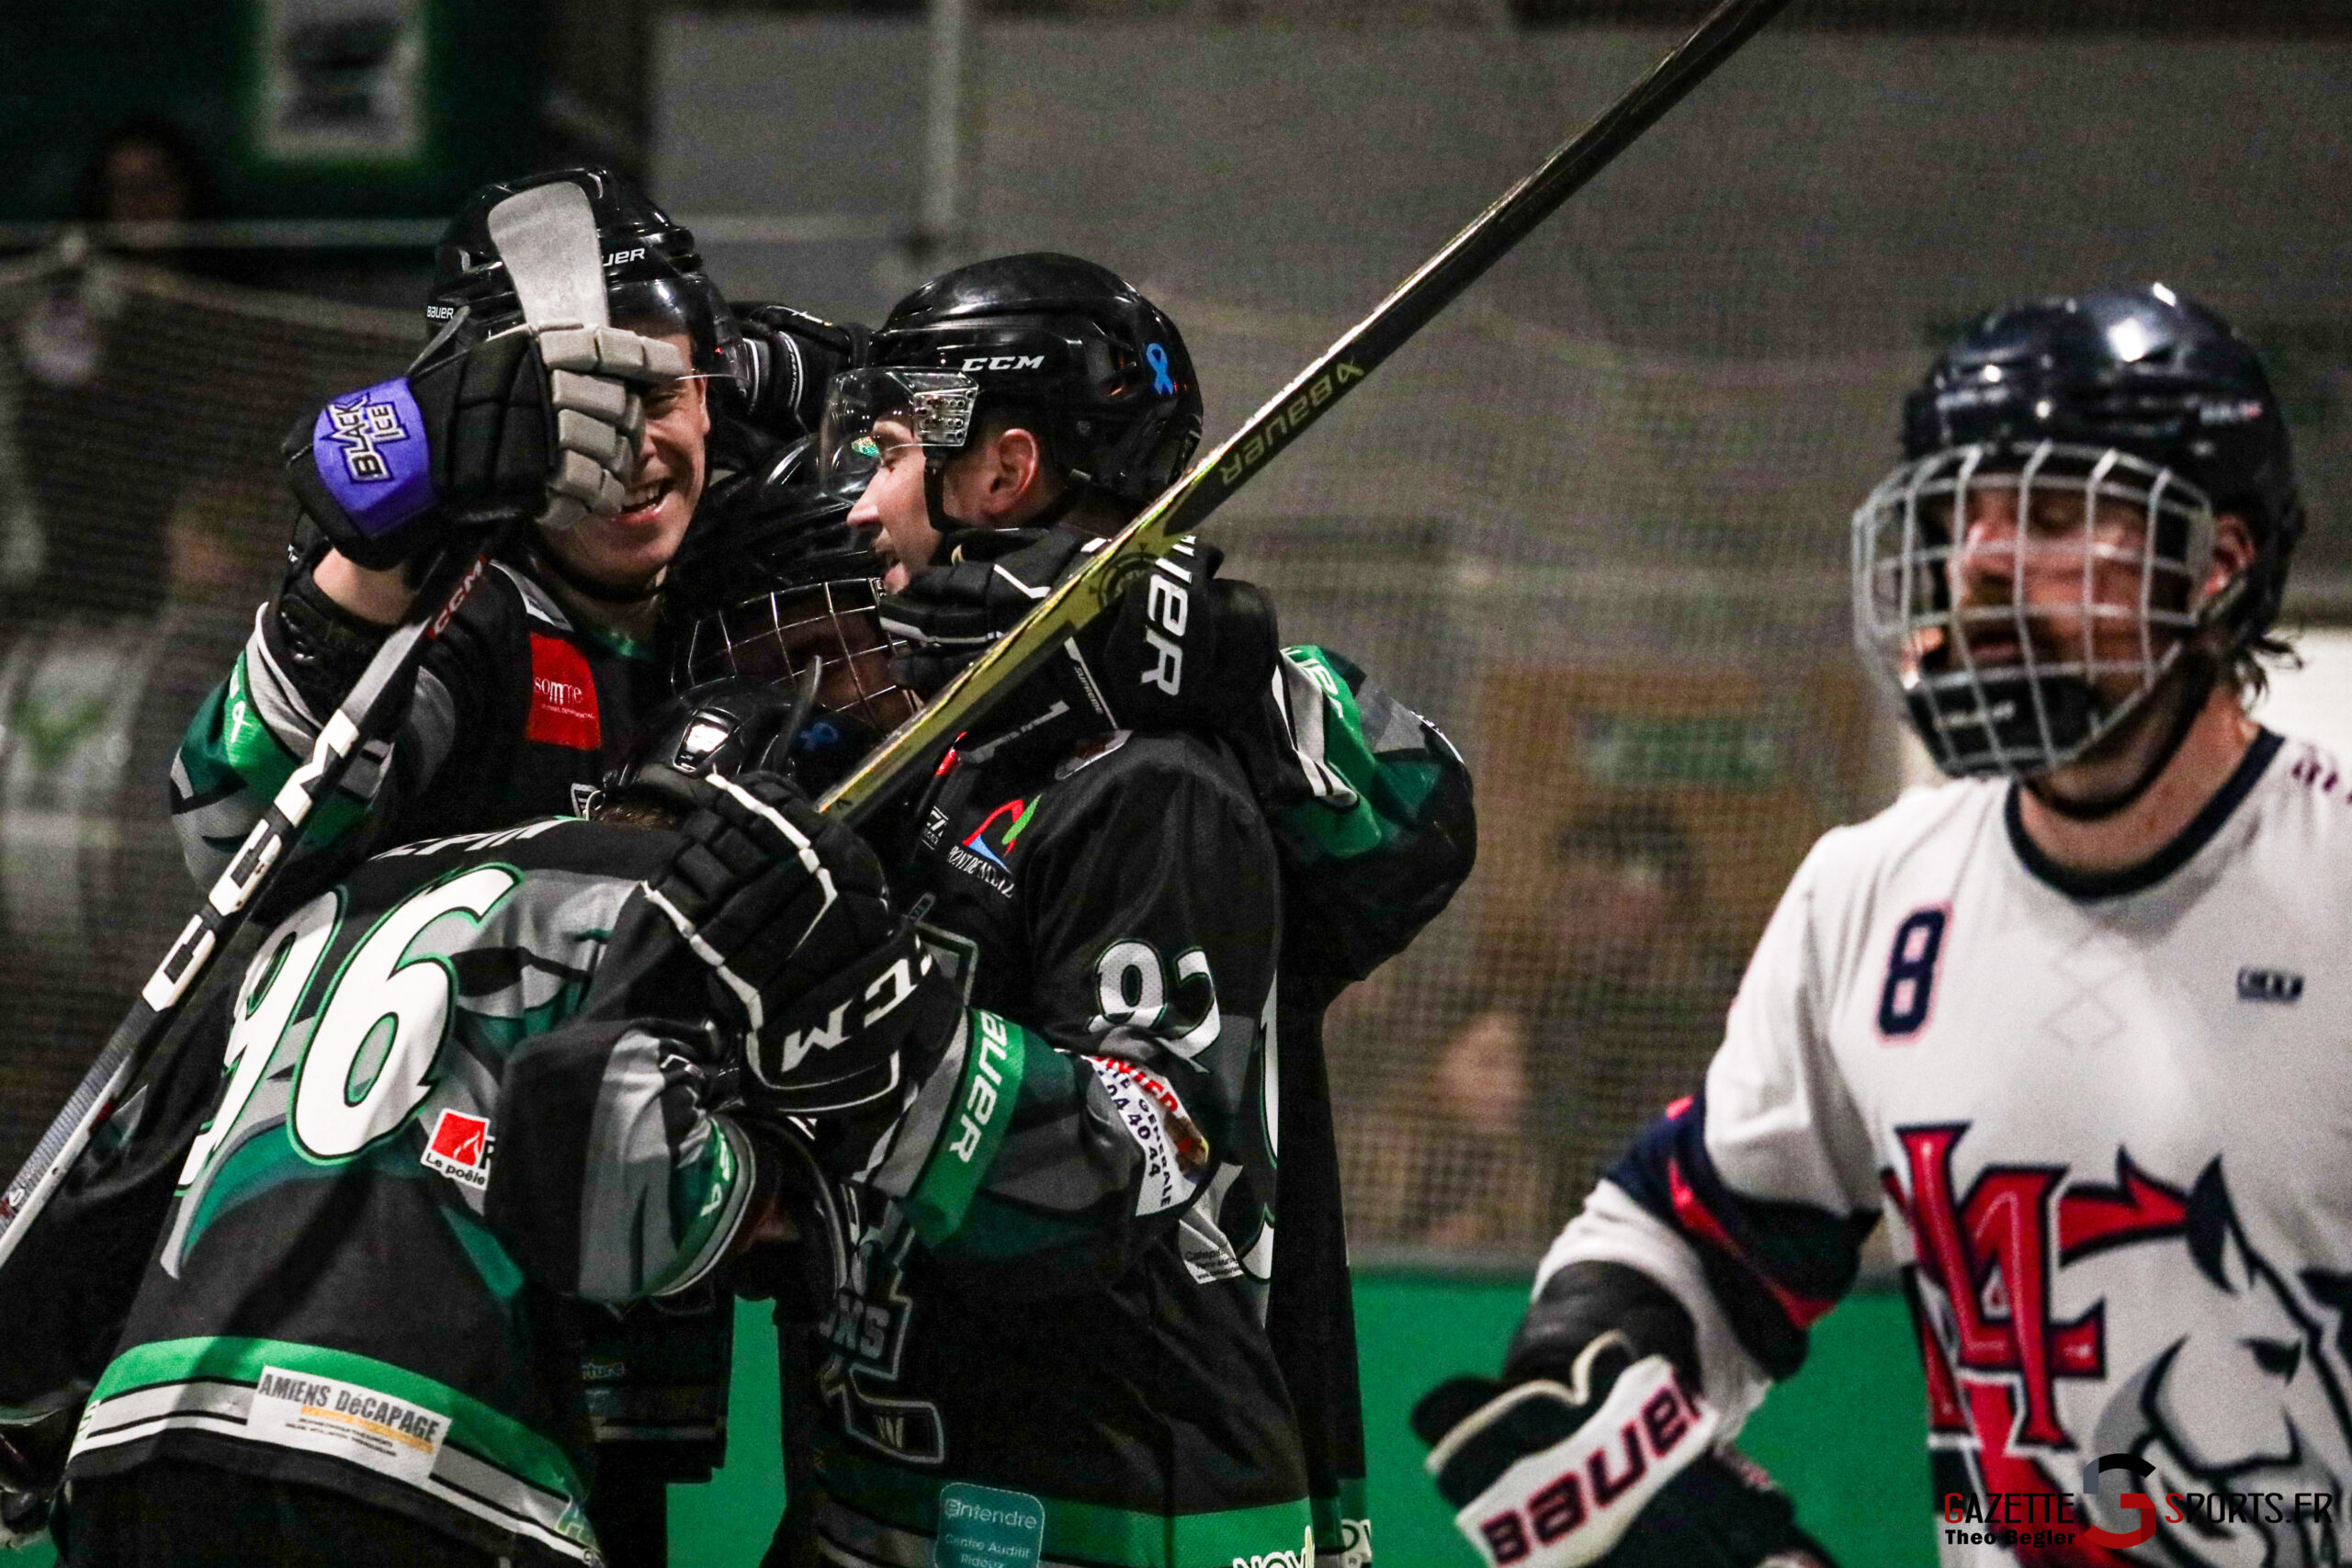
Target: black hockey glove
519	427
1596	1446
835	999
794	356
1180	651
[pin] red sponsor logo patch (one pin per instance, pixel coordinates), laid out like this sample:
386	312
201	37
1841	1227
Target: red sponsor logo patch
459	1148
563	696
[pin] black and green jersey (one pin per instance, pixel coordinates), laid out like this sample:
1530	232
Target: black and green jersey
466	1083
517	712
1059	1298
1045	1296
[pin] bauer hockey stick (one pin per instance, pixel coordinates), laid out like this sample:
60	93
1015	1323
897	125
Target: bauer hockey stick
1311	394
546	236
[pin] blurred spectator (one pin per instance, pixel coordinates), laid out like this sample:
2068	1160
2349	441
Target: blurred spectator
1630	1004
144	171
1603	1014
1442	1159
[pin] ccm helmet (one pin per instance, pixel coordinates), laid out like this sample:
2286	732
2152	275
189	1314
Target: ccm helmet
1068	347
654	276
2112	429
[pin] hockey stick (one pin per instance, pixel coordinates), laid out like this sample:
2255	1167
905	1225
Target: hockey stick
1311	394
546	236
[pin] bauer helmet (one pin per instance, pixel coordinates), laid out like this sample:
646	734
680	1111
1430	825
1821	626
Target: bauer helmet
1068	347
769	577
2111	430
654	276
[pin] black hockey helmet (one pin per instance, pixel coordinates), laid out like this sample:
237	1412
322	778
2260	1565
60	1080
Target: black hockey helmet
771	575
715	730
1064	342
654	275
2144	399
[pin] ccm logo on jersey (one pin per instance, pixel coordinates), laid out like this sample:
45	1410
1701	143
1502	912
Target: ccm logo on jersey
1573	1502
1005	362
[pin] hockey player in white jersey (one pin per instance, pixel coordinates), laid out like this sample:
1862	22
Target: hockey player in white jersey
2072	1025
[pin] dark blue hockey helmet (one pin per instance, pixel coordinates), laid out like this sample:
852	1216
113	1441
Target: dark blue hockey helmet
2142	400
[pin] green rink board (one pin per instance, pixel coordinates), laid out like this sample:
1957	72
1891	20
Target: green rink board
1844	1434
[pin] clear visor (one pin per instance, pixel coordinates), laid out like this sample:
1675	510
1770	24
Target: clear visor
676	306
870	411
1991	581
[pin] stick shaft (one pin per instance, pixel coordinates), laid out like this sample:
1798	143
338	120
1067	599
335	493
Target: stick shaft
364	715
1311	394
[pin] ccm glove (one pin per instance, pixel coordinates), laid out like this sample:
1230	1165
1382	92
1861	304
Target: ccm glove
1179	650
520	427
835	999
1596	1447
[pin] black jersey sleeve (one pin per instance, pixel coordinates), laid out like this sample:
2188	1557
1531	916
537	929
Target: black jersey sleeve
303	658
1085	1129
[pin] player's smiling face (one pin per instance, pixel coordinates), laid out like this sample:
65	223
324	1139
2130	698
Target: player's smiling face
894	505
625	549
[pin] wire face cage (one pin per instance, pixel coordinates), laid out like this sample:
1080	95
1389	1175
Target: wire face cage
2022	600
772	636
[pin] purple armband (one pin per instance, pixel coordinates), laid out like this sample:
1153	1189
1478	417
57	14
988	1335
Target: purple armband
372	455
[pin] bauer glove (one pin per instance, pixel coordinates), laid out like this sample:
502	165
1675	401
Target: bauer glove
1596	1447
522	426
1179	650
836	1000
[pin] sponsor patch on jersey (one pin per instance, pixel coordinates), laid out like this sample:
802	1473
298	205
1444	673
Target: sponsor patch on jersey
563	696
322	1416
459	1149
980	1527
1142	1100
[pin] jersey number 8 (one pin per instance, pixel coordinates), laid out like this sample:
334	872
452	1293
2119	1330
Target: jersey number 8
1911	972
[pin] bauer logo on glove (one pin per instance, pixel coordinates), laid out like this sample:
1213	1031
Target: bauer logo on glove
1543	1476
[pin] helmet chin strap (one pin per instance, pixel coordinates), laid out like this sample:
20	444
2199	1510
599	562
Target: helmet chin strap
2197	683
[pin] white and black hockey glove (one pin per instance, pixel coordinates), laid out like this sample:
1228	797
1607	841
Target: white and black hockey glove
1596	1446
524	427
1183	649
836	1000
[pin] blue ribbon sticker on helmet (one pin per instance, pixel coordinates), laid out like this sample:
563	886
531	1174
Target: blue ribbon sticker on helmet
1157	357
371	452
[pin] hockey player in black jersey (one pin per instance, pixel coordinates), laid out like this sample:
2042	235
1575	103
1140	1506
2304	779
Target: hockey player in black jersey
481	1074
546	671
1062	1323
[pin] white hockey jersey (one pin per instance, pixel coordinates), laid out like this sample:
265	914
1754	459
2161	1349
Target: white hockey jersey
2110	1123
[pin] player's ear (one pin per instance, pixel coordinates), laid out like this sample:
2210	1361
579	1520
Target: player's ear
1013	479
2233	551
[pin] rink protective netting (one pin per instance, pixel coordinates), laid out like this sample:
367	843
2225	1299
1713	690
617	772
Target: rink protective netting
1616	576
